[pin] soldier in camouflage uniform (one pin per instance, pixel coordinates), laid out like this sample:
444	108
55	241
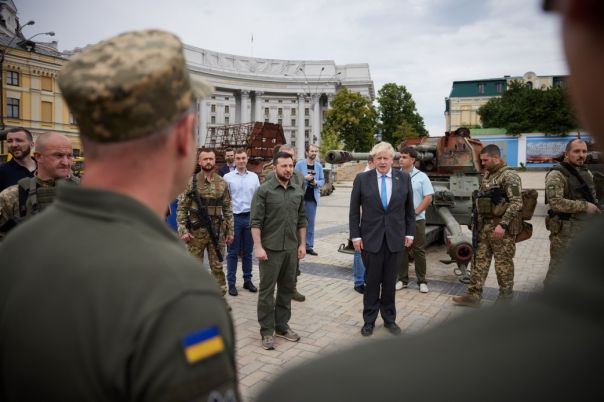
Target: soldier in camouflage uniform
571	196
54	157
214	194
499	206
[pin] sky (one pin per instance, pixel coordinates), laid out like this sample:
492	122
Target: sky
424	45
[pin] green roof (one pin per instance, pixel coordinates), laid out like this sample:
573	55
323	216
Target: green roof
487	131
476	88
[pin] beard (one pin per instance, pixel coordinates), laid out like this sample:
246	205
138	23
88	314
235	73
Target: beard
283	177
208	167
20	154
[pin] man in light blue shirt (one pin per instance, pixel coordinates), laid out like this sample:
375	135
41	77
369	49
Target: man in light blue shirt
314	179
242	185
422	198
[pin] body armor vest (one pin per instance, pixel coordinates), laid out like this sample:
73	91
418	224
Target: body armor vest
573	188
34	198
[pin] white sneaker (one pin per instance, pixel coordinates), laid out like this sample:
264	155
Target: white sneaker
400	285
423	288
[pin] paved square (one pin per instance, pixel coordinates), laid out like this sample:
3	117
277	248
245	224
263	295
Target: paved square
331	317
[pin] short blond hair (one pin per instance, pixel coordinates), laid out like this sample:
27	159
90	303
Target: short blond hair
382	147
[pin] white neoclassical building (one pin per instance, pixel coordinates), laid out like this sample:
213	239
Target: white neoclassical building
295	94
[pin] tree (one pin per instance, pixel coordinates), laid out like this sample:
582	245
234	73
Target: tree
329	141
522	109
353	120
398	114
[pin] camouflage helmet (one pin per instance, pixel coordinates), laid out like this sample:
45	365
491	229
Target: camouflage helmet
129	86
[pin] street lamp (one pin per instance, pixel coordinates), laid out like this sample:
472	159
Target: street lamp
51	33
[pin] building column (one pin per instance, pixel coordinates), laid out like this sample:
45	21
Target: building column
202	121
522	149
316	121
245	107
300	139
258	106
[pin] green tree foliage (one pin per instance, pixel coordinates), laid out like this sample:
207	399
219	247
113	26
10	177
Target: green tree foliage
398	114
353	120
522	109
329	141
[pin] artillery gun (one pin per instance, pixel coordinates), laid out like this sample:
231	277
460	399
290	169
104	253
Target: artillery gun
452	163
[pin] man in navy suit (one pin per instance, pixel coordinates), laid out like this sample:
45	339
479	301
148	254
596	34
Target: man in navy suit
380	232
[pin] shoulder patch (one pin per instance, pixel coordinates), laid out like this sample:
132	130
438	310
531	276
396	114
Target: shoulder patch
202	344
515	189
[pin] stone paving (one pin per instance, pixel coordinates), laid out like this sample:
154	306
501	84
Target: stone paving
331	317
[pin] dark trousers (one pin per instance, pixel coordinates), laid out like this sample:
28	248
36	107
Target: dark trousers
280	271
381	270
242	245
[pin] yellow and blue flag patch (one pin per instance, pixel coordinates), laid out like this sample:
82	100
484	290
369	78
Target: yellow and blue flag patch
203	344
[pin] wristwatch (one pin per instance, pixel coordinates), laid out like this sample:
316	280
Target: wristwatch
504	226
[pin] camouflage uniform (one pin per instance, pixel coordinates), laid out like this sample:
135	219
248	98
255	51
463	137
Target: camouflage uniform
567	214
507	213
214	193
10	210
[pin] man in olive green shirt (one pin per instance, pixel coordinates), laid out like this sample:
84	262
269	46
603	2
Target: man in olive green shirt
99	300
279	231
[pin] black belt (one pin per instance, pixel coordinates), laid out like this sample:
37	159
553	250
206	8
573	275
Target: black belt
243	213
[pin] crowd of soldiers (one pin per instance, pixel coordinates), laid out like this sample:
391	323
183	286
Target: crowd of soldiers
119	311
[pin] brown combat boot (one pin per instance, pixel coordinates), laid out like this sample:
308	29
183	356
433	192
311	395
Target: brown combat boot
299	297
467	299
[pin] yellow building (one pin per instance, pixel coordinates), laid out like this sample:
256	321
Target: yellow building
29	92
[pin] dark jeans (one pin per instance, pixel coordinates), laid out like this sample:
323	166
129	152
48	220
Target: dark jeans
381	269
279	270
242	245
419	255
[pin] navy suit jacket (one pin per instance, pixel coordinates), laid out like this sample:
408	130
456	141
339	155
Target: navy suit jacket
367	218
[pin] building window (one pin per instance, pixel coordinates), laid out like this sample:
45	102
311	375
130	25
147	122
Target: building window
280	101
293	143
280	121
213	108
499	87
226	98
12	108
306	133
12	78
306	112
481	89
226	109
293	111
266	111
529	84
293	101
226	120
213	97
46	84
46	112
293	122
266	101
266	120
213	120
280	112
306	122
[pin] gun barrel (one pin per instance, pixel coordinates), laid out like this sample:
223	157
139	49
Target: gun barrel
340	156
459	246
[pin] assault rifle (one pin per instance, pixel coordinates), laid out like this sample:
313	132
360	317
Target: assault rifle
204	218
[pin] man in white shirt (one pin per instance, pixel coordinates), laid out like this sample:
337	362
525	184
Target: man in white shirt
242	185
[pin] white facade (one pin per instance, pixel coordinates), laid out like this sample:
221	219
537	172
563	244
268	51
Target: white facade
295	94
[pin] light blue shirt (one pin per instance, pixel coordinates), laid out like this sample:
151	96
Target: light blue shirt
242	188
422	187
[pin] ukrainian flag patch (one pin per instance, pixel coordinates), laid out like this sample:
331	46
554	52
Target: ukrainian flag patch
203	344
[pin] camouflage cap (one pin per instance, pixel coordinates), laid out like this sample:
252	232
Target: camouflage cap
129	86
